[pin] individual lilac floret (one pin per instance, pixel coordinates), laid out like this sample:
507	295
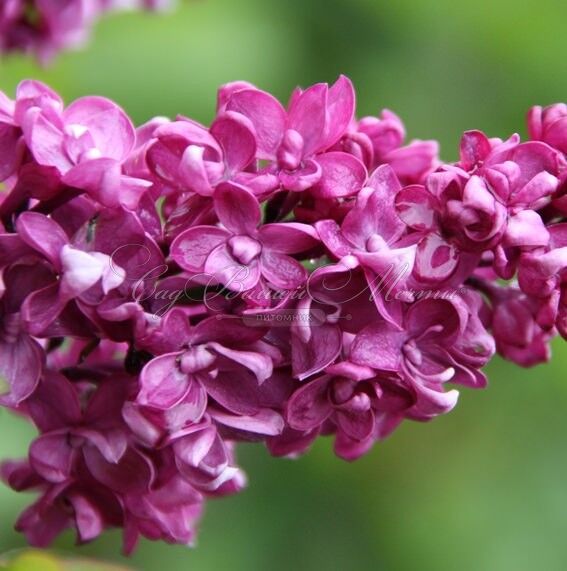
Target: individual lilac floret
297	141
243	252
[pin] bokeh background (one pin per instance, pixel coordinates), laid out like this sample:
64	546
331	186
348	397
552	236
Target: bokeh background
483	489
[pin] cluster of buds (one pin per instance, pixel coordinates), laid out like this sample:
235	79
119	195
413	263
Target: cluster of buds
284	273
45	27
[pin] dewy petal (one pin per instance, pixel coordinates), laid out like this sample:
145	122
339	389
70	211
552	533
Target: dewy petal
191	248
342	175
282	271
42	234
378	346
266	114
108	125
309	406
237	208
234	132
162	384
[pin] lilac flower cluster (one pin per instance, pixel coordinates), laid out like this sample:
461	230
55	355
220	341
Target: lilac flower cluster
285	273
45	27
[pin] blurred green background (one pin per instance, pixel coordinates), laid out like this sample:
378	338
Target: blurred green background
483	489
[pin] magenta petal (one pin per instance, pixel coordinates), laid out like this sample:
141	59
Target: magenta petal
265	422
191	248
21	362
356	424
237	208
374	211
330	233
416	207
378	346
42	234
260	365
46	143
340	110
342	175
42	522
302	178
436	259
111	444
526	229
310	357
51	456
307	115
162	384
282	271
234	134
108	125
101	178
288	238
55	405
413	162
192	171
309	406
266	114
539	187
134	474
41	308
236	390
88	519
235	276
10	150
475	147
432	402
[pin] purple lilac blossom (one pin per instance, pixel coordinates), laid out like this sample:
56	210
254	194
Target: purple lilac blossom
46	27
284	273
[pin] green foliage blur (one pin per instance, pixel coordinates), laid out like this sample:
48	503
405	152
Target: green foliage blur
483	489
